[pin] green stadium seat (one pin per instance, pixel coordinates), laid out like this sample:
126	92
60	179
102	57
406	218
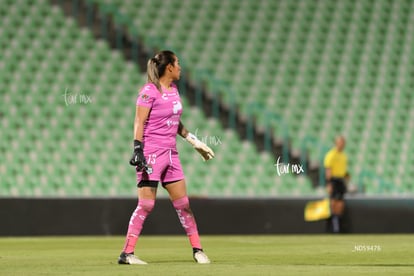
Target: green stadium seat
310	61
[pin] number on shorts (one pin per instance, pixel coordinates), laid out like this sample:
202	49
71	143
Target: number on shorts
151	159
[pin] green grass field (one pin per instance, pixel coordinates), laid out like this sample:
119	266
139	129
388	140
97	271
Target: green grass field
230	255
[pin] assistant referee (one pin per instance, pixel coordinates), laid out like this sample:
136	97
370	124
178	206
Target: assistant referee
336	162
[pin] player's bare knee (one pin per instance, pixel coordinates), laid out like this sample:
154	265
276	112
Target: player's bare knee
338	208
341	207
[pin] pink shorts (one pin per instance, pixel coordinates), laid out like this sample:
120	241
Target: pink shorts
165	163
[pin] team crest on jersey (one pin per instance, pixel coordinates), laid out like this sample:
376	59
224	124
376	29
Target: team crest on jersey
145	97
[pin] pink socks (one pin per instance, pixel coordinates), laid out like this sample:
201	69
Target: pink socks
182	206
145	206
136	222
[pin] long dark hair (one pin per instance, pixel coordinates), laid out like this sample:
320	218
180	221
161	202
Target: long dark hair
156	66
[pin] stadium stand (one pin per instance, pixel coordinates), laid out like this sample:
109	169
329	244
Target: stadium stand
67	105
327	67
324	66
58	136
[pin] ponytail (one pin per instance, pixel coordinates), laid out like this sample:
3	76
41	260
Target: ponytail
152	73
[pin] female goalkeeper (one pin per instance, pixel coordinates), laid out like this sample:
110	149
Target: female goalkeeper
157	123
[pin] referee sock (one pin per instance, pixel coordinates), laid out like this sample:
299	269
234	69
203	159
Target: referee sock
136	222
182	207
335	224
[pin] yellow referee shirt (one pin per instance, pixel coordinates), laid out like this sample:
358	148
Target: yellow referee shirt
336	161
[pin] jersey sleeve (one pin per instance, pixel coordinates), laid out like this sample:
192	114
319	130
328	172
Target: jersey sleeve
147	95
328	160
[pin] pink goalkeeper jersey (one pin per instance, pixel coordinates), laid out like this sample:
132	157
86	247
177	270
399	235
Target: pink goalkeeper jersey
160	129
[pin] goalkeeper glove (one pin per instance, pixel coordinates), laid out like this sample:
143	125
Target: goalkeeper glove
206	152
138	158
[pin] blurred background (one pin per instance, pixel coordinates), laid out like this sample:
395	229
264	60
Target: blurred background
262	80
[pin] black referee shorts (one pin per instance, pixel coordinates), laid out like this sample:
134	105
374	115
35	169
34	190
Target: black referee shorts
338	188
